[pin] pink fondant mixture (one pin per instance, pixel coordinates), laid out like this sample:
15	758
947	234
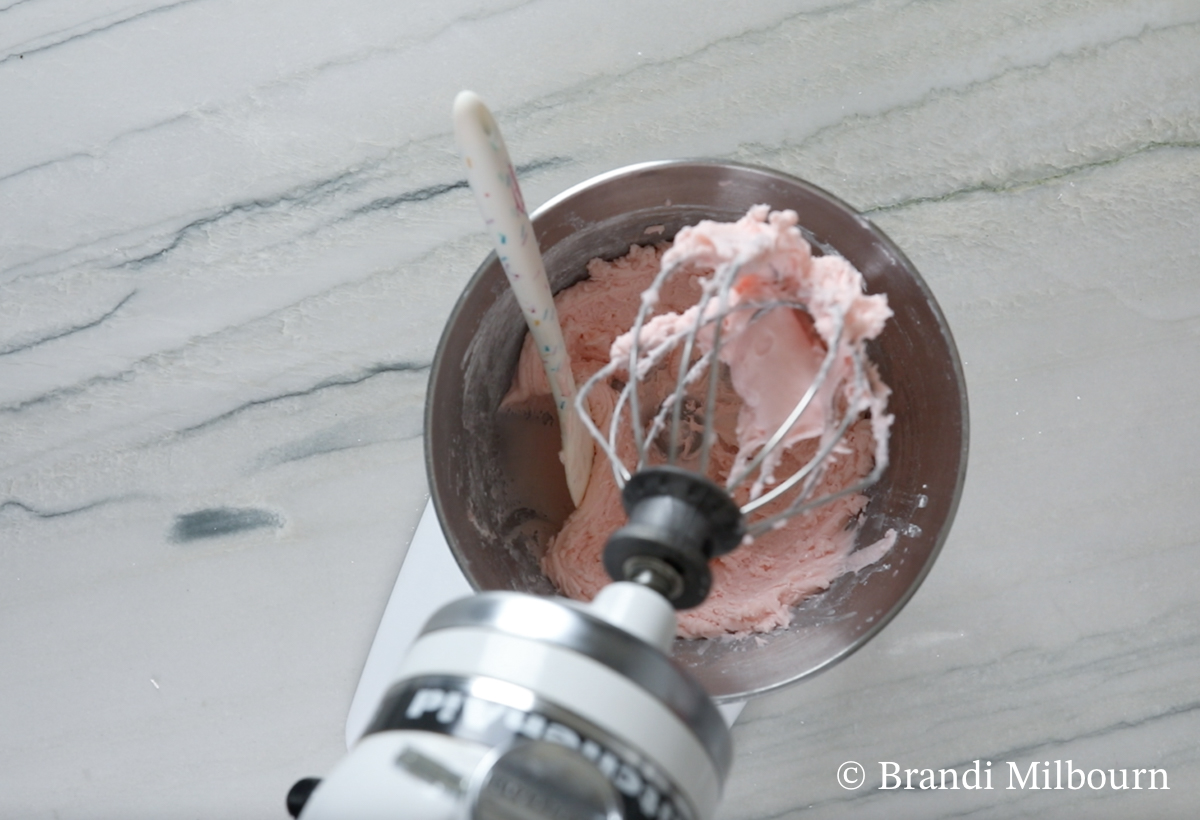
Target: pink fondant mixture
772	358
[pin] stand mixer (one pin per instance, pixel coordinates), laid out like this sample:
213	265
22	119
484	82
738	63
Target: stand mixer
515	705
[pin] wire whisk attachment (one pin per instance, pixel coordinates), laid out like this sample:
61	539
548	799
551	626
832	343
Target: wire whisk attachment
730	411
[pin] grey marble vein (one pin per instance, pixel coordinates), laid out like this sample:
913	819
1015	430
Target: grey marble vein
327	384
43	165
348	437
1054	176
65	392
32	50
1050	746
12	504
430	192
25	342
15	4
308	194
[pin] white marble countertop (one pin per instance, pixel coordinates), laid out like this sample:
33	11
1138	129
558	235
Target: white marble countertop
230	234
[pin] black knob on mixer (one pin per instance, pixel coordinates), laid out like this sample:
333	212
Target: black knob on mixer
678	521
299	793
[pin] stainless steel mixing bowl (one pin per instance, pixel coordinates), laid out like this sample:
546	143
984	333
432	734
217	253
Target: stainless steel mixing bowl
495	477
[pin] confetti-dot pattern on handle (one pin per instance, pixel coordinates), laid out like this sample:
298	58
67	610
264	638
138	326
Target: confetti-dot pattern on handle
494	183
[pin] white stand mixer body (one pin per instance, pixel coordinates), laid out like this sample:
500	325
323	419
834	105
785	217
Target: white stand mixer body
514	706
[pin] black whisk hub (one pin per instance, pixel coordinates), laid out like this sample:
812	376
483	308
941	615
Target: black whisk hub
678	521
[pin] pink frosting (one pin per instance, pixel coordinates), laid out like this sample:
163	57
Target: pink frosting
772	360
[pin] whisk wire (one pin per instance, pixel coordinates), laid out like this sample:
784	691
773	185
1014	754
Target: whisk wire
648	301
606	443
811	470
686	374
673	404
814	470
801	406
724	278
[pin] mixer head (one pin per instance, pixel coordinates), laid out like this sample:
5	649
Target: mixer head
775	337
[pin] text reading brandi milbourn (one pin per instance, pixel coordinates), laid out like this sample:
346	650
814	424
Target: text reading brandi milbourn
1038	775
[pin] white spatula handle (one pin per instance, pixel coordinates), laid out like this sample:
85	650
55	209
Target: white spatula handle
494	183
